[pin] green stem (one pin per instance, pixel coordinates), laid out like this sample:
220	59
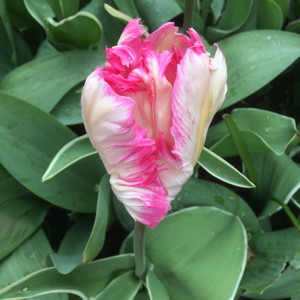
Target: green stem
241	147
188	15
288	212
139	249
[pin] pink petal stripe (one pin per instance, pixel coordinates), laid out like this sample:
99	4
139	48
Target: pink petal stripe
132	31
128	155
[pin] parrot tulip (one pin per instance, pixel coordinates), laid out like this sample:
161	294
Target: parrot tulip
147	112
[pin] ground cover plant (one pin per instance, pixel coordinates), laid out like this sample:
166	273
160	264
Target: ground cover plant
233	229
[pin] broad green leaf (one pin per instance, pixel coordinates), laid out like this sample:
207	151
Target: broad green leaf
262	130
198	192
30	257
188	251
41	11
155	288
86	281
221	169
68	110
44	81
252	60
68	155
156	12
64	8
124	286
287	286
270	252
81	31
97	236
230	20
284	6
269	15
21	213
70	253
30	138
277	177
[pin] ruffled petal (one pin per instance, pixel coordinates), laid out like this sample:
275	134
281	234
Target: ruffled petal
132	31
166	37
128	155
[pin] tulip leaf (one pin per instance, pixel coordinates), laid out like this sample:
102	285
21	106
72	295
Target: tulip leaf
293	26
198	192
221	169
128	7
86	281
252	60
287	286
30	257
69	154
269	15
81	31
216	9
262	131
6	63
45	80
122	214
112	27
117	14
124	286
97	236
181	261
64	9
230	21
40	11
156	12
68	110
70	253
277	177
21	213
270	254
156	290
30	138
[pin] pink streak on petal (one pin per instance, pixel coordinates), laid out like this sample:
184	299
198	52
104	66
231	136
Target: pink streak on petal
174	173
166	37
128	155
132	31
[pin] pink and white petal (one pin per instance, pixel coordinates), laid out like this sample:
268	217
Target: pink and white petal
166	37
173	173
132	31
218	80
153	107
190	106
151	210
128	155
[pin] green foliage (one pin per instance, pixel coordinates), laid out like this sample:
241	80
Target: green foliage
231	231
200	233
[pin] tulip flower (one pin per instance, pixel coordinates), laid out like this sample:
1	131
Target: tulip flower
147	112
